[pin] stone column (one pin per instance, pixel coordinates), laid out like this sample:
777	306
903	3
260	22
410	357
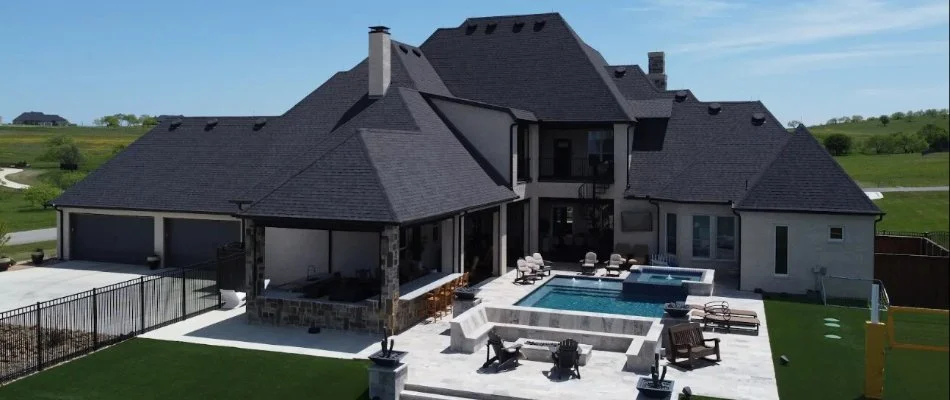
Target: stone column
387	383
389	263
253	259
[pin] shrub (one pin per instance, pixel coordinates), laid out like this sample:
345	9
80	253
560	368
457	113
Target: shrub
838	144
908	143
885	119
937	138
41	194
878	144
68	179
63	150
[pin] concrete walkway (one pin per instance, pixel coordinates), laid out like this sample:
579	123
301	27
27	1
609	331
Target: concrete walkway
8	183
910	189
36	235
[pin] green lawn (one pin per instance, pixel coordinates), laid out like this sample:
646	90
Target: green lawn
888	170
22	252
152	369
28	143
822	368
915	211
874	127
20	215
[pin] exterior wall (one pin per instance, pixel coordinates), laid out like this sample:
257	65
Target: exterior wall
578	138
159	225
808	248
489	131
358	317
289	253
684	234
353	251
634	238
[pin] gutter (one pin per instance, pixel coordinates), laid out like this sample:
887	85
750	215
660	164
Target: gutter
738	243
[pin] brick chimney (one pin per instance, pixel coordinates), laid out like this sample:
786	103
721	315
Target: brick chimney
380	68
657	69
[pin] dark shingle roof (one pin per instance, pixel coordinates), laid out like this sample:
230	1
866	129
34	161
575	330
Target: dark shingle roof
656	108
635	85
38	116
548	71
804	177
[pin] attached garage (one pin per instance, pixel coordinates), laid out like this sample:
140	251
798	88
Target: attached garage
191	241
111	238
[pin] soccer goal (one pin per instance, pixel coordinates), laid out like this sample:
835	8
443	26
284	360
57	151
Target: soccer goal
845	291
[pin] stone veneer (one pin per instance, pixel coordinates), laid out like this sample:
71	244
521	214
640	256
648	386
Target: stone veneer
359	317
254	259
389	262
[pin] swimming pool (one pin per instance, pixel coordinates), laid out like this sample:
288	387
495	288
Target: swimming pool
656	276
599	295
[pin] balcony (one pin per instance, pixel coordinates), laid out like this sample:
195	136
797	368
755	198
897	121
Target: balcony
577	169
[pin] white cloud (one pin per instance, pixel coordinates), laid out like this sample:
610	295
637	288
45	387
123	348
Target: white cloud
817	20
844	58
687	9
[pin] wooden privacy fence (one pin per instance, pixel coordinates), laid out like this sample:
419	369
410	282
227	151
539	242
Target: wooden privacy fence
914	269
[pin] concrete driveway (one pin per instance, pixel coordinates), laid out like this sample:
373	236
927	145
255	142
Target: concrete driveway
27	286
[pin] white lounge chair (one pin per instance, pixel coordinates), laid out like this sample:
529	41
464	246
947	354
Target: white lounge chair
589	263
614	264
545	266
231	299
525	274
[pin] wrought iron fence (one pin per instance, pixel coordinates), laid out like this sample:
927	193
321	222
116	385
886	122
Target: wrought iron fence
50	332
941	238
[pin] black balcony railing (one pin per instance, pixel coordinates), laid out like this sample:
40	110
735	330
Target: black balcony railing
587	169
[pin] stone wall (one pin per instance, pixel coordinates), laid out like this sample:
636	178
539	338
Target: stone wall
254	258
358	317
389	262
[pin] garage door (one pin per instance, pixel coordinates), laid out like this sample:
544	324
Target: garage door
190	241
111	238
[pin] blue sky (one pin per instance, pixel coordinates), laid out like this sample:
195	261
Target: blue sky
809	60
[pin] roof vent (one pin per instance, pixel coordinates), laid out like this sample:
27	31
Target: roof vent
714	108
490	28
417	52
681	95
620	72
403	49
211	124
471	28
517	27
539	25
175	123
758	119
259	123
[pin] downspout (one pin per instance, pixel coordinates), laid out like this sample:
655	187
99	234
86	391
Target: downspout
511	137
657	205
738	243
876	220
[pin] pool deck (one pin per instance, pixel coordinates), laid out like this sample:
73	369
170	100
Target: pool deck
746	370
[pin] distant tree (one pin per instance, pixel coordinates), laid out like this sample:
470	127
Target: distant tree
838	144
40	195
129	119
910	116
908	143
857	118
844	120
98	122
944	113
898	115
931	113
936	137
148	120
4	238
793	124
884	119
832	121
63	150
111	121
878	144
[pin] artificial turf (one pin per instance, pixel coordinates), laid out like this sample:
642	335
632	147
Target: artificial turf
153	369
822	368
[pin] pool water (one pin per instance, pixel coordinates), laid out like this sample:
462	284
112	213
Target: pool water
663	278
598	295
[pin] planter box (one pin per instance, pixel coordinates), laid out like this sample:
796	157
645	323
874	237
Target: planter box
645	386
394	359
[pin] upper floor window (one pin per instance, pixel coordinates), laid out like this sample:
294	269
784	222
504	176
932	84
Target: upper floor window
836	234
600	146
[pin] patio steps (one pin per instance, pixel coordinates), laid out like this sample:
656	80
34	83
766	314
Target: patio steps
420	392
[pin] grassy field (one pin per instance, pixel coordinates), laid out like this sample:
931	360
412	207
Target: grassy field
887	170
822	368
915	211
21	215
874	127
22	252
152	369
29	143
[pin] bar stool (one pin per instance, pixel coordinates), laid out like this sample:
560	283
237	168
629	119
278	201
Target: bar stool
433	303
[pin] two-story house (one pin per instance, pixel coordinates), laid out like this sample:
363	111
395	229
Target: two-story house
500	137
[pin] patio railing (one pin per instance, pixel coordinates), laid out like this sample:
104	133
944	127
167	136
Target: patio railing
50	332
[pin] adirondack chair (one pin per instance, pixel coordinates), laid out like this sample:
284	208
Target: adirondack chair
567	357
506	357
686	341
